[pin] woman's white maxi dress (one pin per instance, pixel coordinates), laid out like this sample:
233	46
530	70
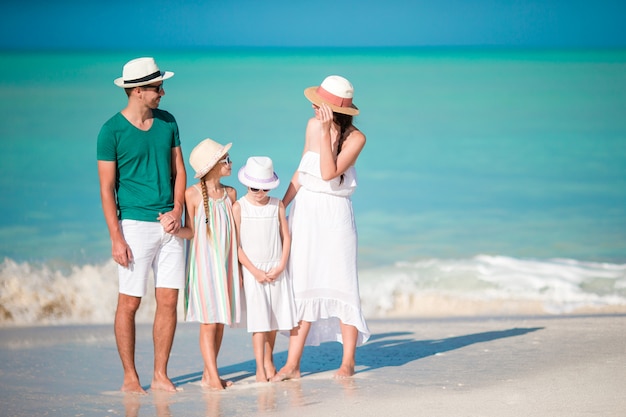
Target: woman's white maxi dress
323	260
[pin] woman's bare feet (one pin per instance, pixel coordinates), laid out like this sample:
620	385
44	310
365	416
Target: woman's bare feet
344	371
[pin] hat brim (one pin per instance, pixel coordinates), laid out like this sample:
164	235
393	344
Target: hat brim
202	172
257	184
311	94
164	76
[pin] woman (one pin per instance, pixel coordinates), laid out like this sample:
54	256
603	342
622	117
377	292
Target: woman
323	261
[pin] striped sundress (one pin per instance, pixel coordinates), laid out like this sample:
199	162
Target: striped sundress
212	291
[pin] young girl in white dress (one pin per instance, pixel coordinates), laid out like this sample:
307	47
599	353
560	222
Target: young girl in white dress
264	244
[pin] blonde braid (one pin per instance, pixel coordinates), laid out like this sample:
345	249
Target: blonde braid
205	198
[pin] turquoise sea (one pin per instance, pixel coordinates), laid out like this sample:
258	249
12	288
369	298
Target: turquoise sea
489	175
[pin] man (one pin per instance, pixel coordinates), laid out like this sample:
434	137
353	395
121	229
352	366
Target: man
142	185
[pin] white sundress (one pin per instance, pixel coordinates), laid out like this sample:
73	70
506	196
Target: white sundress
270	306
323	260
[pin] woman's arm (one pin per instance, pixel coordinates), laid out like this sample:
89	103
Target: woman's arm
292	190
330	166
294	185
275	272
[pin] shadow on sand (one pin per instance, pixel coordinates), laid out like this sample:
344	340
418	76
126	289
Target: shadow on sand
382	350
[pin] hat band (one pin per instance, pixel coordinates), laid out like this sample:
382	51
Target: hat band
146	78
266	180
333	99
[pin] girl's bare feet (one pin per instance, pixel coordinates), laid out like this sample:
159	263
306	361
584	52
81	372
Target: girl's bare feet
270	371
285	374
213	384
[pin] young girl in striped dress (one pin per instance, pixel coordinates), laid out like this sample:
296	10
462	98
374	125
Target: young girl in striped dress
212	293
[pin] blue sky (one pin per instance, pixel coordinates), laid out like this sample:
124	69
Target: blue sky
114	24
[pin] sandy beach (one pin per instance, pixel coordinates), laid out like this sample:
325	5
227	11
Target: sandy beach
510	366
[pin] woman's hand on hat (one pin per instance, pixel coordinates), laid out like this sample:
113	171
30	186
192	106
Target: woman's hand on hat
325	115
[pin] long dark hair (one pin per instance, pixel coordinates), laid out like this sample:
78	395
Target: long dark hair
345	128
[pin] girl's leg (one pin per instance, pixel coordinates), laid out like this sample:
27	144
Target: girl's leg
349	335
258	346
297	338
209	347
270	340
219	335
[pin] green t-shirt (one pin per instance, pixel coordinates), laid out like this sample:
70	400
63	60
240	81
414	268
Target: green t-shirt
143	185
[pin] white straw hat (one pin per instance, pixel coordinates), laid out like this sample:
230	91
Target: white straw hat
205	155
141	71
335	91
258	172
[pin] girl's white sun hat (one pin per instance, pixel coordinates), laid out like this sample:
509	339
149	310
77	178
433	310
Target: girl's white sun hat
258	172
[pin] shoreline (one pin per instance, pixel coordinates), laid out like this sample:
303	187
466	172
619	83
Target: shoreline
563	365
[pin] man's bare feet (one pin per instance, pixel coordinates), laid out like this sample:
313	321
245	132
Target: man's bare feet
163	385
133	389
132	386
344	371
285	374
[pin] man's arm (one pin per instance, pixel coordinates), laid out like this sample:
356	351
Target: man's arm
171	221
119	248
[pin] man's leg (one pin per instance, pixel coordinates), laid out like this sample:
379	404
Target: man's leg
163	335
127	306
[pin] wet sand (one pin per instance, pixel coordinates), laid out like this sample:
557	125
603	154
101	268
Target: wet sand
506	366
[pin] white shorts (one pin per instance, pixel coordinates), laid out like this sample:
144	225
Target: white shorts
153	249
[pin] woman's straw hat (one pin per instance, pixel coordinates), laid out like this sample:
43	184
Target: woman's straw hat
205	155
335	91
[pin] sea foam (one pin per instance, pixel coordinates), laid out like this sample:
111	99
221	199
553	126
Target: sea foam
481	285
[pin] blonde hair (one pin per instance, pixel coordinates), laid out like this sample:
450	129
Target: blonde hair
205	198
